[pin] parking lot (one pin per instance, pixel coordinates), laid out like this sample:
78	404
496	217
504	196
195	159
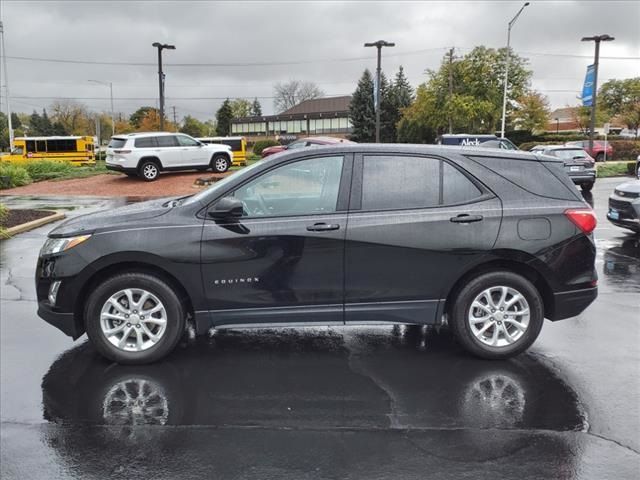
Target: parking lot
325	403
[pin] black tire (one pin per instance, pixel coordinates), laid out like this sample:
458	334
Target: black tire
220	163
149	170
587	187
462	305
175	324
600	157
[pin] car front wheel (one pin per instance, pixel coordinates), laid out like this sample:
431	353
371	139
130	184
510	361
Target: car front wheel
587	187
134	318
220	163
497	315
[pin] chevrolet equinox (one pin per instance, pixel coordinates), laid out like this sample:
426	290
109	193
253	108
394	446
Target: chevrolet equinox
491	242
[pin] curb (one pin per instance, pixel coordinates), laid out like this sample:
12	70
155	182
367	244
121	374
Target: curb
35	223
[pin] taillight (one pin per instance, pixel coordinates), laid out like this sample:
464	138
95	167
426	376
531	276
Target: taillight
583	218
122	151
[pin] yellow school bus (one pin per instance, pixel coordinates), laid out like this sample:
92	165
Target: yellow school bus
238	147
75	150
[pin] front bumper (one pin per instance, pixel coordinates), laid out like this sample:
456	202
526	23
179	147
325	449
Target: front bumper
572	303
624	212
62	321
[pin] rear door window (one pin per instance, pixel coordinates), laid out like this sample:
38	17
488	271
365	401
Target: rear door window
146	142
398	183
167	141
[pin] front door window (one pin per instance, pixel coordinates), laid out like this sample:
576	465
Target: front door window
307	187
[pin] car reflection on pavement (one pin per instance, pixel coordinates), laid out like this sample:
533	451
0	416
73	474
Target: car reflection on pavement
254	386
621	264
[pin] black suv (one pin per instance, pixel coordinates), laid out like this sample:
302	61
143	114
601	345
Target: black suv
490	241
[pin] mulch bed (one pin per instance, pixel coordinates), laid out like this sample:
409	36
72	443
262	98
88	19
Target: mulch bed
18	217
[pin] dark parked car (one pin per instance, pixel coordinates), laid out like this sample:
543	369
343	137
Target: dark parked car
352	234
302	143
624	206
577	163
598	151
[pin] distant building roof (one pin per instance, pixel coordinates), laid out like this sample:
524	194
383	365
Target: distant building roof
321	105
315	108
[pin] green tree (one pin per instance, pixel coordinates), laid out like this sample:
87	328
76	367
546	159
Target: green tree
194	127
139	115
241	107
400	97
256	108
531	112
4	133
474	103
361	110
621	98
223	119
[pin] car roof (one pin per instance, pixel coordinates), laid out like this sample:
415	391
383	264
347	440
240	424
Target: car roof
327	140
146	134
418	149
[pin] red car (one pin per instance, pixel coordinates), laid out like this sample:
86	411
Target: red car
302	143
598	149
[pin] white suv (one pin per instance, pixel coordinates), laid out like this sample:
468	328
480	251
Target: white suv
147	154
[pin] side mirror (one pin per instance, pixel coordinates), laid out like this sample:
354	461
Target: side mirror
226	208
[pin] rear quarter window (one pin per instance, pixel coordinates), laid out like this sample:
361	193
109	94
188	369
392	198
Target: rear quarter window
545	179
146	142
117	142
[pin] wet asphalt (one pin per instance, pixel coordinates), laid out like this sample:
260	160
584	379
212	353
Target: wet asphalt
325	403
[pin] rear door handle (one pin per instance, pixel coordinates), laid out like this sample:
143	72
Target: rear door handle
466	218
322	227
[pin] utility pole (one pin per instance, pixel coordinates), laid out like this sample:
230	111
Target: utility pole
506	68
592	123
160	47
175	121
450	55
6	86
110	85
379	44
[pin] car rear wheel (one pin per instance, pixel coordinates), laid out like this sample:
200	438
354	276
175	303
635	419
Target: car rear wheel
600	157
497	315
220	163
149	170
134	318
587	187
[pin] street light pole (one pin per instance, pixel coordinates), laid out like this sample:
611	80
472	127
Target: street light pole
160	47
110	85
592	123
557	125
506	68
379	44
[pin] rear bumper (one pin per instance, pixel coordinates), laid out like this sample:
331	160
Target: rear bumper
62	321
572	303
587	176
119	168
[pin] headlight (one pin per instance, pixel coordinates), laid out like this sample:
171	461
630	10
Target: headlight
57	245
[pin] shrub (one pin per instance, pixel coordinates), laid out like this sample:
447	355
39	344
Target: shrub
18	176
625	149
262	144
47	169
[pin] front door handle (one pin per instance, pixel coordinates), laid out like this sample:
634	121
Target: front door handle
322	227
466	218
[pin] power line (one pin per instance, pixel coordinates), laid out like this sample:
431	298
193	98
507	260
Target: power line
155	98
290	62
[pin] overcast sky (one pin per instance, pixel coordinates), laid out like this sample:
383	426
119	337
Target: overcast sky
321	41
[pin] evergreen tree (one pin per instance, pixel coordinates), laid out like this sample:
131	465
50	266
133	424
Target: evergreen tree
35	124
361	110
223	119
256	108
46	126
398	96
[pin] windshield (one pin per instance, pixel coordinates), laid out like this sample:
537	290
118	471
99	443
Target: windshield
221	185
